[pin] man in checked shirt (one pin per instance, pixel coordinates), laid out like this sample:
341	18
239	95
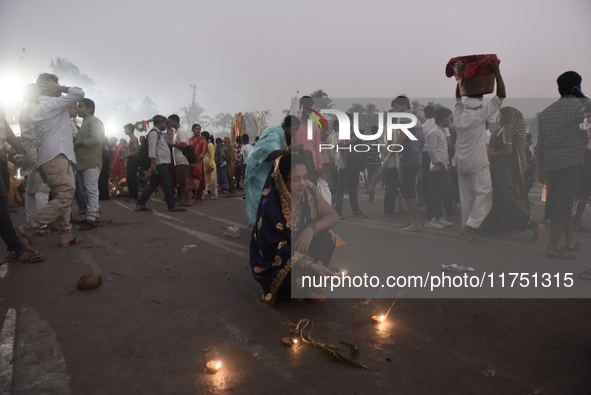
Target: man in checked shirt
561	153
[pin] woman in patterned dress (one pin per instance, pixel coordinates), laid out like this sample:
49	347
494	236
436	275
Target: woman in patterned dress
291	209
510	212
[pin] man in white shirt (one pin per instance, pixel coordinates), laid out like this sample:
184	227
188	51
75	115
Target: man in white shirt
245	151
53	130
471	155
159	155
438	168
181	140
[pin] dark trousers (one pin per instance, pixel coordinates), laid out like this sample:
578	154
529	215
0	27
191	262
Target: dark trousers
162	178
426	175
5	174
438	181
391	181
563	185
132	185
238	175
348	181
448	203
7	231
104	179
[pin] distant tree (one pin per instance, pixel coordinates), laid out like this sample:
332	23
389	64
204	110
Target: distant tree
70	73
222	120
257	121
321	100
417	108
194	113
367	115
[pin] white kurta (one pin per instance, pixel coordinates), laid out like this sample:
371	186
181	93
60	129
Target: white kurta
472	161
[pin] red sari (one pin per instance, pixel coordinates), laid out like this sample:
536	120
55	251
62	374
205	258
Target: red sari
118	168
196	178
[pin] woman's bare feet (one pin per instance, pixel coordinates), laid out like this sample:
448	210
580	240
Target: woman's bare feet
538	232
406	225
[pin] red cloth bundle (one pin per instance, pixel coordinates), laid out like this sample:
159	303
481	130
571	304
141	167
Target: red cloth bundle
476	66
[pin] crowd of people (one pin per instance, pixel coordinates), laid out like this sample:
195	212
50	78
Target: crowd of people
448	162
64	161
452	160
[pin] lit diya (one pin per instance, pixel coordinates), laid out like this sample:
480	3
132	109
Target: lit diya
289	342
378	318
212	366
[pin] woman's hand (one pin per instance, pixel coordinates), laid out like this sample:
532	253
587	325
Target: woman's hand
303	242
319	270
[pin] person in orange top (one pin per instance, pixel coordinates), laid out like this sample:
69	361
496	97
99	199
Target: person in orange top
197	173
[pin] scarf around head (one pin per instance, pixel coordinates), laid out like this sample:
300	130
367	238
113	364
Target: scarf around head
514	131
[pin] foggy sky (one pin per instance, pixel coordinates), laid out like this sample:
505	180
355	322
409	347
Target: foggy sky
255	55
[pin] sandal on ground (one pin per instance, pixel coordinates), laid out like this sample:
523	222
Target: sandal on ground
86	225
564	254
26	256
177	209
576	247
586	275
142	208
74	241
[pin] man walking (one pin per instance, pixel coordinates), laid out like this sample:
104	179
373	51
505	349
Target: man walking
159	155
561	156
89	160
471	155
409	165
52	128
180	141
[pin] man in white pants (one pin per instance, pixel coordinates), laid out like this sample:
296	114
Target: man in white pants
37	192
89	158
471	155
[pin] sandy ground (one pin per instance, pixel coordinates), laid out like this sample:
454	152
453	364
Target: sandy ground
144	330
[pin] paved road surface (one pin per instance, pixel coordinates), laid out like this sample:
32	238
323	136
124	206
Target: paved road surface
144	330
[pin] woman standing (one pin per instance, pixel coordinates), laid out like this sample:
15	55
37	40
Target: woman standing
197	171
209	166
508	162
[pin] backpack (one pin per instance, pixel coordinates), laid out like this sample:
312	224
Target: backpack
189	153
145	162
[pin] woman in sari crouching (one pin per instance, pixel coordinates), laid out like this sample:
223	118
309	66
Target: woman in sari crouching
291	208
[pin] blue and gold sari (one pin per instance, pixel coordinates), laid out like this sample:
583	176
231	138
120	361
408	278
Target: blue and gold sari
278	219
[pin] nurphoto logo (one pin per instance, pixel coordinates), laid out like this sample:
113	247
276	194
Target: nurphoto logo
393	122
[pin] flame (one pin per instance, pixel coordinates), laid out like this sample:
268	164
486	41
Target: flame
382	318
295	340
218	365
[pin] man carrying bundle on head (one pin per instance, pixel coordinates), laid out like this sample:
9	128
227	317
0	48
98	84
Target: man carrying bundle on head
471	154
